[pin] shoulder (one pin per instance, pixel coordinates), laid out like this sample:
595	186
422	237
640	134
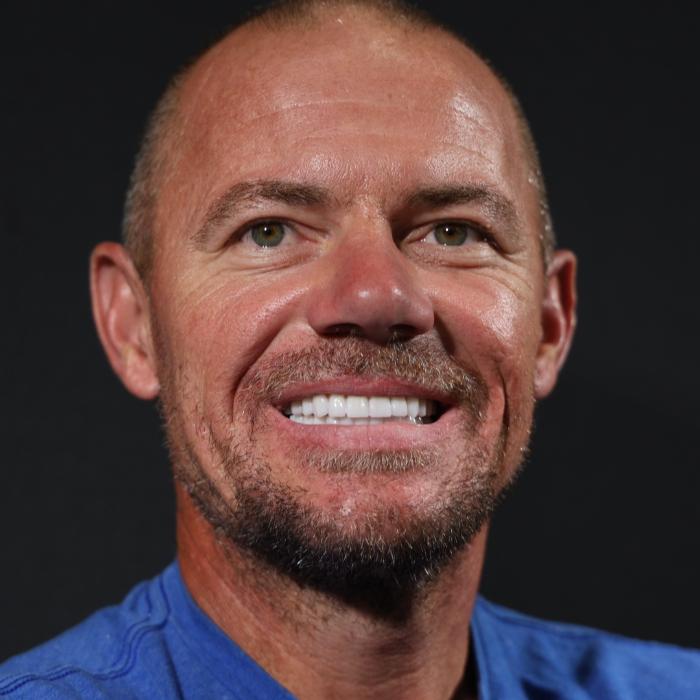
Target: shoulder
580	661
95	659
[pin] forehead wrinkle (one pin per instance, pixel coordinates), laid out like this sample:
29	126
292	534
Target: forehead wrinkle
356	114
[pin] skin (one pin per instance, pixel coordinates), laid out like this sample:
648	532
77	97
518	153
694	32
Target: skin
316	106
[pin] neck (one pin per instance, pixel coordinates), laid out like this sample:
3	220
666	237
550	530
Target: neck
319	647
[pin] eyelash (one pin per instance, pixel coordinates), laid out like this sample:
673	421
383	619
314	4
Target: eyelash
482	232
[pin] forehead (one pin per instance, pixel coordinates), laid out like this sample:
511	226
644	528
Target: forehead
350	102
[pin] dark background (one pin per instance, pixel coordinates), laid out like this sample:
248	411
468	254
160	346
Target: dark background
604	526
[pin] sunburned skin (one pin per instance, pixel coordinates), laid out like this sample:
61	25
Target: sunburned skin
348	211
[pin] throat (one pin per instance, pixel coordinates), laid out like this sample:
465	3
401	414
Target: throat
281	626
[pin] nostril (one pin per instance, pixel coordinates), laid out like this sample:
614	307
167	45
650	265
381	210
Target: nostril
399	332
402	331
345	329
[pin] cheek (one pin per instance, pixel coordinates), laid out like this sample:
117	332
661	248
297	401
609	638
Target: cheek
218	329
494	328
488	322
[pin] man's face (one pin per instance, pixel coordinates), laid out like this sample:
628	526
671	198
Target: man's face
349	213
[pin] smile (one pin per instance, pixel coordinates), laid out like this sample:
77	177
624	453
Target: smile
347	409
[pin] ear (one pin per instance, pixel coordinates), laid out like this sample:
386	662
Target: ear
558	320
121	313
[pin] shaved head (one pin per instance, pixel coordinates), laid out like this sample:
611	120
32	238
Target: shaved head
160	147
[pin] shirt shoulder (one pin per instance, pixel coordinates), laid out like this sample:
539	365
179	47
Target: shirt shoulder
534	656
156	644
99	658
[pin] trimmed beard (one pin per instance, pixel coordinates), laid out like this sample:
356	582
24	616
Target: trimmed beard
385	552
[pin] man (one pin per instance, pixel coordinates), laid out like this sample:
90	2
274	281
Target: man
340	281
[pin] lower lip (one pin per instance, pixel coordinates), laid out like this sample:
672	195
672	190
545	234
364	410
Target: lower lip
394	435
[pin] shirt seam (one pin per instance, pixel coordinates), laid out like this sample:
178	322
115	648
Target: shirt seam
134	635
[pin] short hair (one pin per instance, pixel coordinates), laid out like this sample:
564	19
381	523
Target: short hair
139	219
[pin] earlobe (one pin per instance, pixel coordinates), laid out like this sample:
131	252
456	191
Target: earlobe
121	313
558	318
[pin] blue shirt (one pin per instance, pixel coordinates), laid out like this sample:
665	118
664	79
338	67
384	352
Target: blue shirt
159	644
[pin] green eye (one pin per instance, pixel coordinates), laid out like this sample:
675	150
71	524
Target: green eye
267	234
453	234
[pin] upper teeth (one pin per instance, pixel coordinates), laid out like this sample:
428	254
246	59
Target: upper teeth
339	406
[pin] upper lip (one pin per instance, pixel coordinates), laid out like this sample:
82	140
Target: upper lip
360	386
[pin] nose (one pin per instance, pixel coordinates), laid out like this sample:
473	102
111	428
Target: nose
370	289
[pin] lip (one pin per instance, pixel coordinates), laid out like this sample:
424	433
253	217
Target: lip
361	386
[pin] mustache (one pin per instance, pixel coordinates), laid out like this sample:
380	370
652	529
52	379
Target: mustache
422	361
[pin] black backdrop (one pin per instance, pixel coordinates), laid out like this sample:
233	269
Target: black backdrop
603	528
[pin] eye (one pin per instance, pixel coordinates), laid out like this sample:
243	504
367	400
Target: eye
453	233
267	234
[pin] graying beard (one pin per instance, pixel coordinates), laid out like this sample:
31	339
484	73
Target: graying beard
269	523
378	462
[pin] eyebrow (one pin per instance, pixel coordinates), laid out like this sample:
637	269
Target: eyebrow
497	205
245	194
